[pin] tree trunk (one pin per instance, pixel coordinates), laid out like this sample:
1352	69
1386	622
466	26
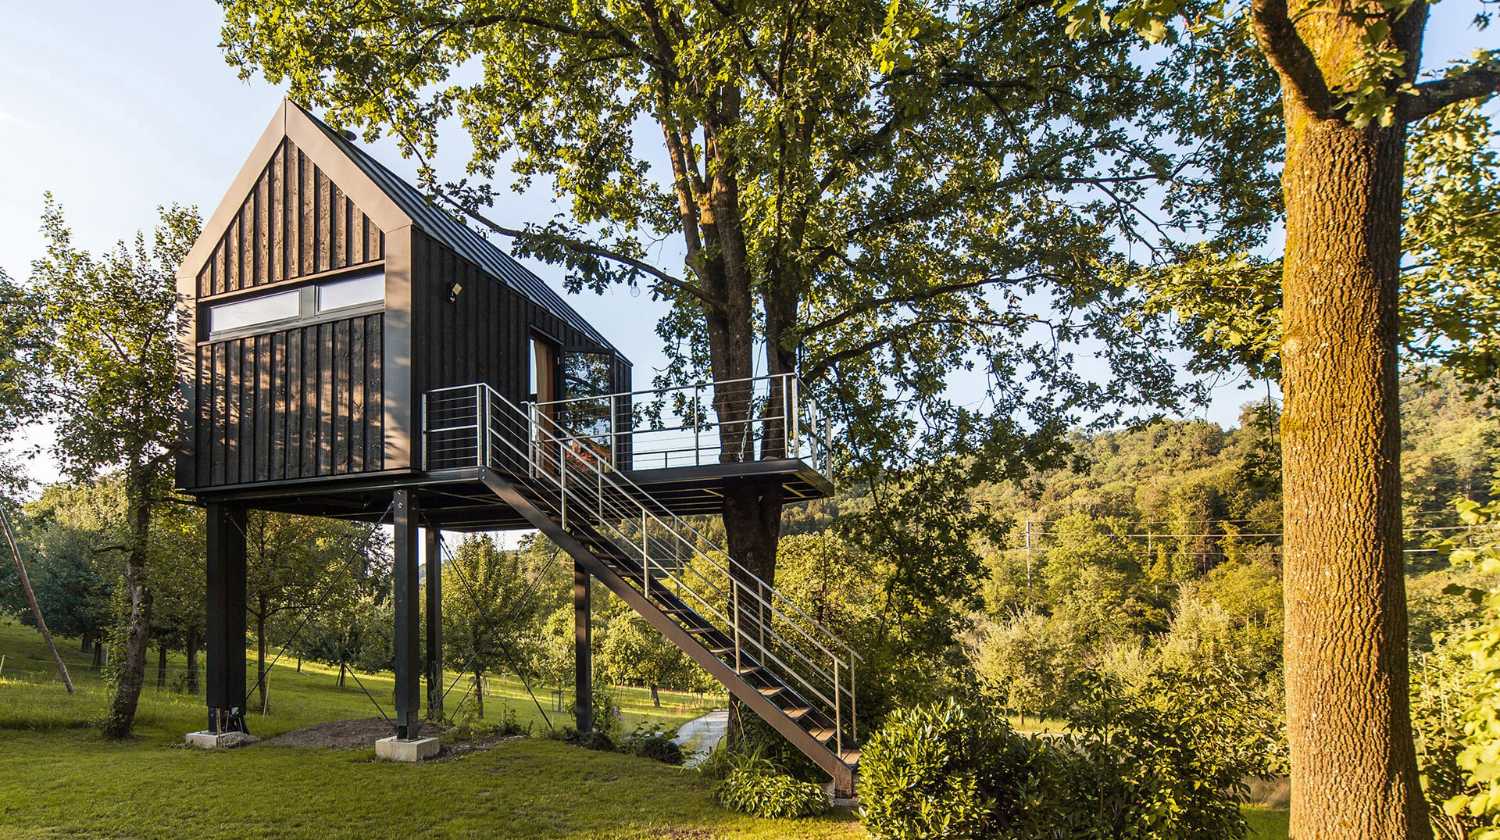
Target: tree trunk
341	674
98	661
192	661
655	696
479	692
132	671
161	665
36	610
86	643
1352	758
260	651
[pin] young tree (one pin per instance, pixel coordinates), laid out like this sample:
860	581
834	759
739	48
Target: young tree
633	652
302	566
1347	73
492	612
114	373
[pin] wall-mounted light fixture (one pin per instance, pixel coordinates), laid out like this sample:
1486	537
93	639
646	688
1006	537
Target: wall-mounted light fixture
454	289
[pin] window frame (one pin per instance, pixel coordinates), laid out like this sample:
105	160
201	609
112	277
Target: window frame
308	312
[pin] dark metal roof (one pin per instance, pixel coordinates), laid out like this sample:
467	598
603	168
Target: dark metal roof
464	240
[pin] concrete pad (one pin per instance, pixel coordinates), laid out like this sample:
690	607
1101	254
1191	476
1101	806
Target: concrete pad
206	740
396	749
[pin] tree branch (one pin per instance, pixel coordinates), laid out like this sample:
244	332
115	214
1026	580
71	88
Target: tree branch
1478	81
593	250
1293	61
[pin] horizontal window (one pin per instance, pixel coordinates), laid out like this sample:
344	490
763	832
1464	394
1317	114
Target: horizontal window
265	309
300	304
337	294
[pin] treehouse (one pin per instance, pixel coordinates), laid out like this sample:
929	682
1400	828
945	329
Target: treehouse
352	350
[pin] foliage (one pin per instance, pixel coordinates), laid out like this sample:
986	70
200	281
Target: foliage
1161	759
754	786
1477	798
653	741
112	367
953	769
491	609
633	652
469	726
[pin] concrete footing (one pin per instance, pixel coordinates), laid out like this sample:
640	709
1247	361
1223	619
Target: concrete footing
396	749
206	740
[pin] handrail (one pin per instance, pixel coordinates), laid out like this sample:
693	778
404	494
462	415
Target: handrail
546	443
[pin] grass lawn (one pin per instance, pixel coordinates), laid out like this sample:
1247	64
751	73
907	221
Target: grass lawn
1266	824
59	778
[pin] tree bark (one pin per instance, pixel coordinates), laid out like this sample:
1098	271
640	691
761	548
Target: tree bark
132	671
1349	727
479	692
161	665
655	696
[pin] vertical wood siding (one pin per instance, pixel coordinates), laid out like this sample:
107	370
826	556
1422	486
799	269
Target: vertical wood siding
296	403
485	335
294	222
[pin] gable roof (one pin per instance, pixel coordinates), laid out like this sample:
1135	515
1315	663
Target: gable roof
464	240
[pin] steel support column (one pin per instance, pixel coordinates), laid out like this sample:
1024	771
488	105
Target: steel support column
225	613
583	650
408	614
434	605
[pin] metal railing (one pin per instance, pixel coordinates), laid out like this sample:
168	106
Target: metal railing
756	418
573	479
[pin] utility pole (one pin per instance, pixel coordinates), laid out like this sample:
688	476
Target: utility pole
36	611
1028	561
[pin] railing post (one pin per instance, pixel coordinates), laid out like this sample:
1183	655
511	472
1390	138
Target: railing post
562	481
426	445
838	714
483	427
734	593
697	425
645	558
761	612
853	702
531	443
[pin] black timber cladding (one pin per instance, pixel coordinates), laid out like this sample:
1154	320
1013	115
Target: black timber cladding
484	334
464	241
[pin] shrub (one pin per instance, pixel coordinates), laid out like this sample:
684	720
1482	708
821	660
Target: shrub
1161	761
953	769
754	786
469	726
654	742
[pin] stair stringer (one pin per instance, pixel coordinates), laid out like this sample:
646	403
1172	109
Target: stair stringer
843	774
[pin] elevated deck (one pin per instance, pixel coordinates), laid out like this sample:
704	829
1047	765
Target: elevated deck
667	443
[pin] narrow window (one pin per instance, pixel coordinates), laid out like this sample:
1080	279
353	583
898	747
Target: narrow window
358	291
264	309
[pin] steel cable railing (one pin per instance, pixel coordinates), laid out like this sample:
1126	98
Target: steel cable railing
578	485
737	420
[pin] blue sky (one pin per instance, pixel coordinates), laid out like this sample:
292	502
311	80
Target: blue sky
118	108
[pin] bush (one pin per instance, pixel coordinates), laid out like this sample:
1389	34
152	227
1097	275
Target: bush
953	769
468	726
1161	761
654	742
754	786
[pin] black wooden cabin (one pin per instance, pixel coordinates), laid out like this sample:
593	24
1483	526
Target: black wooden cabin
352	350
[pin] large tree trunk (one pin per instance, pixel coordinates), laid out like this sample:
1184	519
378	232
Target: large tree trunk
1353	764
131	673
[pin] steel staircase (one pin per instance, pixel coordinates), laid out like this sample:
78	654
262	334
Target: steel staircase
766	651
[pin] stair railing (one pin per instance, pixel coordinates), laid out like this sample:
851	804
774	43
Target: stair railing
581	486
